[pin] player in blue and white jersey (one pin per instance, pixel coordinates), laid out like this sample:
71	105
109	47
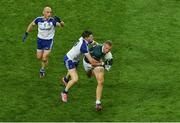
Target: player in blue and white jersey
46	31
71	60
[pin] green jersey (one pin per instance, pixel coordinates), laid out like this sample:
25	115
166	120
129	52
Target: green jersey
97	53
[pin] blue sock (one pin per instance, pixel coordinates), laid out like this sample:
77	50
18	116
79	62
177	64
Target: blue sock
66	79
42	70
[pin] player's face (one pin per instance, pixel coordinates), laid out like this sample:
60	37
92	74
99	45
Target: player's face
106	48
90	38
47	12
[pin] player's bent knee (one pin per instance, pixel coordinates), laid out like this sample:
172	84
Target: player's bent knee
73	75
44	57
100	82
75	80
46	54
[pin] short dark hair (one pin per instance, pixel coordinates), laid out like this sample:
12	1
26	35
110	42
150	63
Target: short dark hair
108	42
86	34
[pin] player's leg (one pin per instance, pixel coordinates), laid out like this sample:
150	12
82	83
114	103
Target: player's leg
45	58
47	46
44	62
71	66
39	54
99	74
67	77
40	51
74	78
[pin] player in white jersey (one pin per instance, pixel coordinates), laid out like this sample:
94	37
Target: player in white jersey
46	31
71	60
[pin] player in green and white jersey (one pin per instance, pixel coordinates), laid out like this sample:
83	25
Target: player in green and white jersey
100	52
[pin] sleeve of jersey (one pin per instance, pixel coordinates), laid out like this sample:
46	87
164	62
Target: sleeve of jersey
108	59
84	48
54	22
37	20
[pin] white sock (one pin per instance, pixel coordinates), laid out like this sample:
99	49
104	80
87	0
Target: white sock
66	90
98	102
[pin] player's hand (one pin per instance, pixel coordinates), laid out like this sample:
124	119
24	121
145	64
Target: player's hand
62	24
25	36
94	43
94	62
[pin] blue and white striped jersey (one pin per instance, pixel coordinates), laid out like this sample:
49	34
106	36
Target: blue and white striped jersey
46	27
81	47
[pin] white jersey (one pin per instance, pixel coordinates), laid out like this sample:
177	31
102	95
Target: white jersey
81	47
46	27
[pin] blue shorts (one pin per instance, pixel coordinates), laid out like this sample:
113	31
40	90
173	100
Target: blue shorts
69	63
43	44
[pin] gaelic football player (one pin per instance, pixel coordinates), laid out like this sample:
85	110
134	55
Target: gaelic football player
46	31
71	60
99	53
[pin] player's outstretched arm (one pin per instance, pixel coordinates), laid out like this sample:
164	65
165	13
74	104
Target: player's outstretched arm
30	26
29	29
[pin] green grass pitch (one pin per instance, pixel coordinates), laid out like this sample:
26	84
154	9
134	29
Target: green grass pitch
143	85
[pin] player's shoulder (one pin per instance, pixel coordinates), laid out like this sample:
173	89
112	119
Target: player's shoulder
83	42
81	39
39	18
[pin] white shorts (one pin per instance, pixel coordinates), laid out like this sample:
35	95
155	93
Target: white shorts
87	66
